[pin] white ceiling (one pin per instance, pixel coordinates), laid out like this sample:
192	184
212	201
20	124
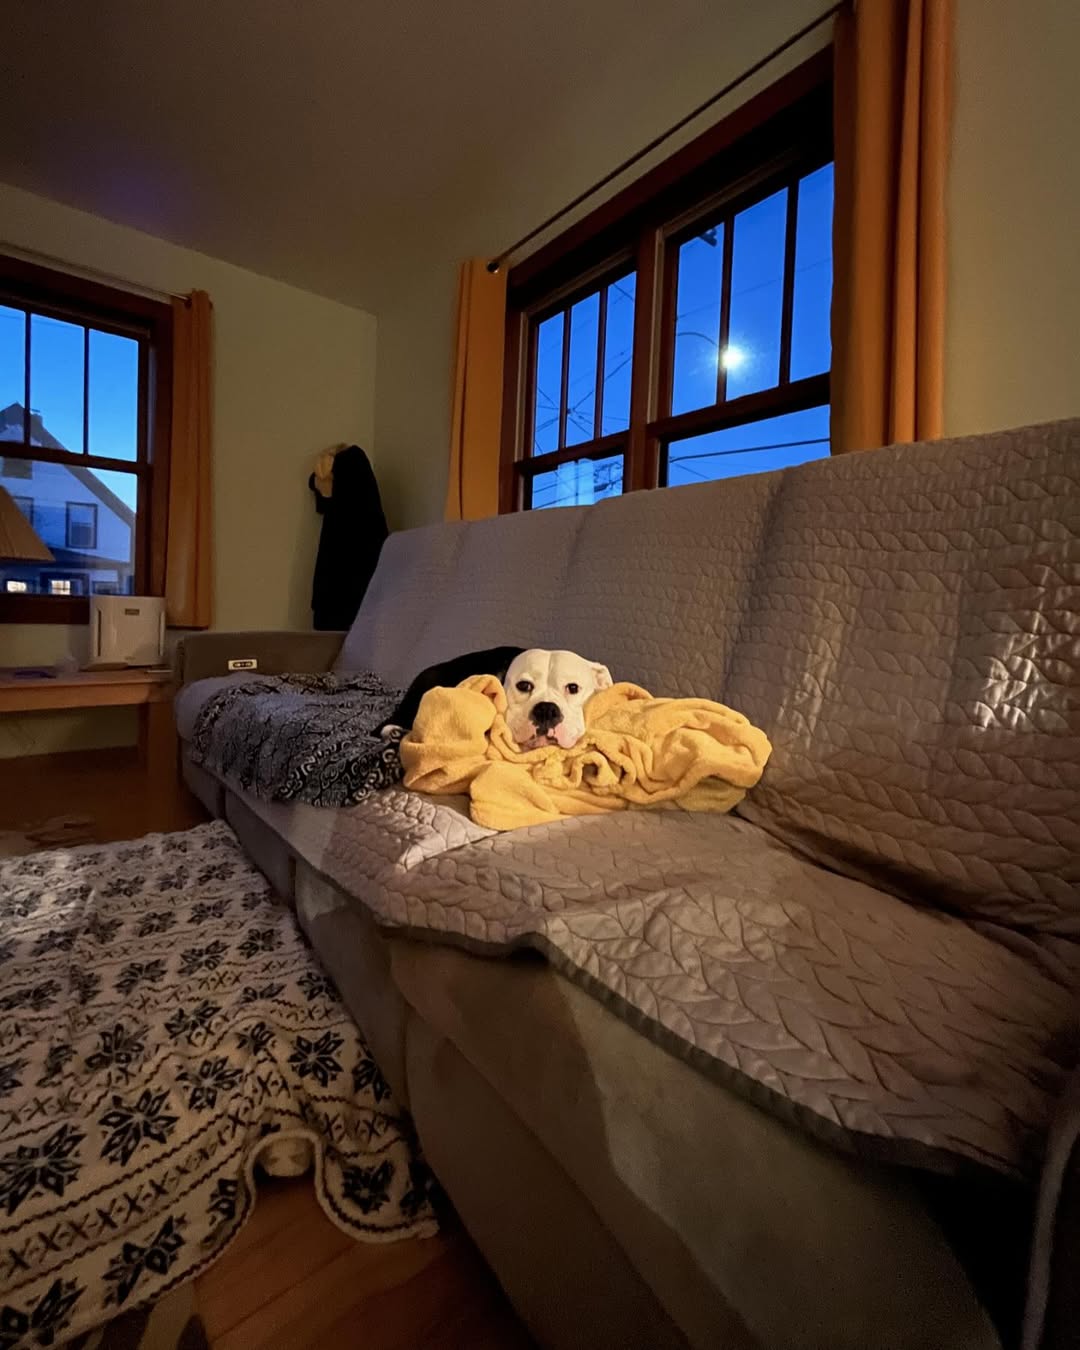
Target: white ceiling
319	141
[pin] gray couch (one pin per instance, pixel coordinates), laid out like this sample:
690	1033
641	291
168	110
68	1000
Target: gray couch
904	626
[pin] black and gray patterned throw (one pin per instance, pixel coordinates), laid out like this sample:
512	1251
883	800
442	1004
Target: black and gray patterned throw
323	749
163	1027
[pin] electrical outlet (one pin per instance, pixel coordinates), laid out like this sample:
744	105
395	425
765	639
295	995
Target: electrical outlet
244	663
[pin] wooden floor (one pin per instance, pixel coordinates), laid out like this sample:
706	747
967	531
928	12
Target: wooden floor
107	787
291	1280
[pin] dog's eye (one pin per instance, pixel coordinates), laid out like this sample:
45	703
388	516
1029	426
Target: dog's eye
524	686
572	688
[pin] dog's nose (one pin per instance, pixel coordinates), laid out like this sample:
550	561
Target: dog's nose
545	716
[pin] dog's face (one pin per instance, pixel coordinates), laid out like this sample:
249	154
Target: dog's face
546	693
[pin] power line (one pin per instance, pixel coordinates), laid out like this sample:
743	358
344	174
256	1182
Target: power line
749	449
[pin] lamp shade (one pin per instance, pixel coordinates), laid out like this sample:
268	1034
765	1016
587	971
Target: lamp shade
18	542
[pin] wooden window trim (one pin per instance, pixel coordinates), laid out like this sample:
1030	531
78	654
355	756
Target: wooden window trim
771	141
74	299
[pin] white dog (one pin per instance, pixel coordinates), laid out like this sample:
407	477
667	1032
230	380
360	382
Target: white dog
546	693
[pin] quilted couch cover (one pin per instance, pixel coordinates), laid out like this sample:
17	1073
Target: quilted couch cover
883	948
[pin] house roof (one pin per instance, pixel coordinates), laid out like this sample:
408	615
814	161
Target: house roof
12	432
11	428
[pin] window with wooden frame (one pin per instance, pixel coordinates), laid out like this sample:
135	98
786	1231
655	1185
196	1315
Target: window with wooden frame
84	422
681	332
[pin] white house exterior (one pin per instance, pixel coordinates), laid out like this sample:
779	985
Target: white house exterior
89	530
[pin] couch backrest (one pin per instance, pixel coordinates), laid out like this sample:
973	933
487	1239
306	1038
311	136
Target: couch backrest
905	624
448	589
913	650
409	582
654	584
660	582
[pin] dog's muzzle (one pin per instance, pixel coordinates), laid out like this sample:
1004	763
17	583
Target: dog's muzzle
546	717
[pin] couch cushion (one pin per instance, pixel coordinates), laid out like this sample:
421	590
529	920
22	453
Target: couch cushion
913	651
706	1194
659	583
393	831
567	1277
899	1033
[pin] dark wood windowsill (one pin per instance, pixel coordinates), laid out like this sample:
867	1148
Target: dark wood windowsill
16	608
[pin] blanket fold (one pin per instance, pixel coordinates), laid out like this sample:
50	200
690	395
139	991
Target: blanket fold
637	751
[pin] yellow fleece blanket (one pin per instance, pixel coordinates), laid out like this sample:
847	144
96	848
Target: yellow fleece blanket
637	751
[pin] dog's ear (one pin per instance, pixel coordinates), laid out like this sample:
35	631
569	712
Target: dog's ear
602	675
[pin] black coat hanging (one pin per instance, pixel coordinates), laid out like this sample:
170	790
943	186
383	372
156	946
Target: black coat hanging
353	530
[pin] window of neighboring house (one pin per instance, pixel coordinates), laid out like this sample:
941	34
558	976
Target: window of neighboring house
81	524
84	414
681	333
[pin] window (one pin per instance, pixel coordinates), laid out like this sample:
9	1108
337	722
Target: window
681	333
84	407
81	525
580	395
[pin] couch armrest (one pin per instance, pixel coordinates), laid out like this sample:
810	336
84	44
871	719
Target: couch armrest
1053	1311
199	655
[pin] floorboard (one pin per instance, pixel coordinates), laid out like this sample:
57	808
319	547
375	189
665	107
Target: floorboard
107	786
294	1281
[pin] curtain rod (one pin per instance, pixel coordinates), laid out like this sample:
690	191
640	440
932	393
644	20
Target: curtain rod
81	269
500	258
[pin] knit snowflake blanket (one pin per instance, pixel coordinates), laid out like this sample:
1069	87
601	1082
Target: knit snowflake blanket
163	1027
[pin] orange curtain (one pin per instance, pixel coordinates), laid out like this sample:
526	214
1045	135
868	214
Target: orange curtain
188	548
476	415
893	66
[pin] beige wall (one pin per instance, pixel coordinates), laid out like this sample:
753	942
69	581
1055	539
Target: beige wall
1013	335
1013	355
293	374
